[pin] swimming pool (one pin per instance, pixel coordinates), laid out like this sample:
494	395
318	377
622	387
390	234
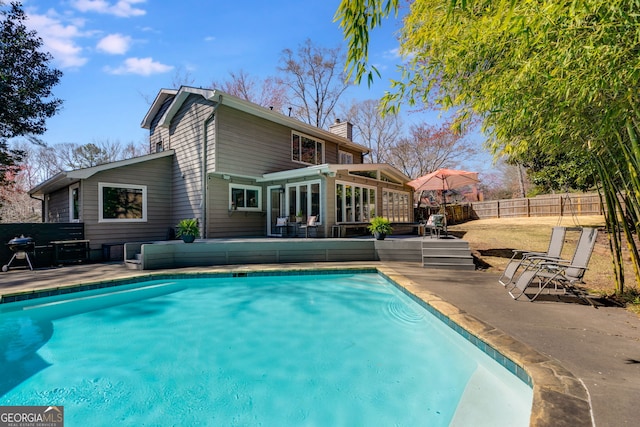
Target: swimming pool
327	349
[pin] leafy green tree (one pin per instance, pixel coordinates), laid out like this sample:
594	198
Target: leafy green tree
25	86
548	77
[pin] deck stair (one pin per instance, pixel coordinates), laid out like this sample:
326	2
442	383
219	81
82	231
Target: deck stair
447	254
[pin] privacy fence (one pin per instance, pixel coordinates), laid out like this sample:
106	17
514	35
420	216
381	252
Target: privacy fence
547	205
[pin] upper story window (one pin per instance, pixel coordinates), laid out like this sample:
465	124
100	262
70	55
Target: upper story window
345	158
122	202
245	197
306	149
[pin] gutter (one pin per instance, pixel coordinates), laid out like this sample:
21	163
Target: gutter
205	155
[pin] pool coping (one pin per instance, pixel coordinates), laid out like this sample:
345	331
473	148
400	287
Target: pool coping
559	398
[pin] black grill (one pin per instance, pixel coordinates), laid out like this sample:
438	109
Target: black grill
21	246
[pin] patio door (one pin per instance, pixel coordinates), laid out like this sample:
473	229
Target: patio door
275	208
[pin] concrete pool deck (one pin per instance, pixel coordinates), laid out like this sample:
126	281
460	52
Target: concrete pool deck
585	361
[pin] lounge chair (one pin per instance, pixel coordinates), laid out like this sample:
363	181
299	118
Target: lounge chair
522	258
557	273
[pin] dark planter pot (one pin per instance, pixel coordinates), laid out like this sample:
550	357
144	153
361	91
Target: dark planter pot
188	238
379	236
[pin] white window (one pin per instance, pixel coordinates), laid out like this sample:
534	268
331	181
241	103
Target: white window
122	202
74	203
303	200
305	149
355	203
396	206
245	197
345	158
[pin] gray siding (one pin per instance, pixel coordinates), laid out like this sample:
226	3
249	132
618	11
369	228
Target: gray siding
224	223
248	145
57	206
155	174
159	135
187	134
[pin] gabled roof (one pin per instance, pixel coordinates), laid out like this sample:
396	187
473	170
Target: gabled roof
218	96
63	179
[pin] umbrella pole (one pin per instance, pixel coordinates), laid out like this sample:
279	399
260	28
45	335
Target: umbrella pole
444	207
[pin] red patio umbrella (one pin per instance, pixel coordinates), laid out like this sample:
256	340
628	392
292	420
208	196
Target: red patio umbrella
442	180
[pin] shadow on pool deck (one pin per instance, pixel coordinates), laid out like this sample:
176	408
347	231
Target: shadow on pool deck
565	347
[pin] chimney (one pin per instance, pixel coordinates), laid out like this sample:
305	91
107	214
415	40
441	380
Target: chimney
343	129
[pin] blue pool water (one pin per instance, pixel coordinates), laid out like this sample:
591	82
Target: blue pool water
316	350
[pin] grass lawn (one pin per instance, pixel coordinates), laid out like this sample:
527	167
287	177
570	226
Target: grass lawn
492	241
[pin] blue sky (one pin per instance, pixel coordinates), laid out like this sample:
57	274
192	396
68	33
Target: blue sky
117	54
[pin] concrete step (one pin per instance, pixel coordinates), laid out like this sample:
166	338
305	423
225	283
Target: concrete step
447	254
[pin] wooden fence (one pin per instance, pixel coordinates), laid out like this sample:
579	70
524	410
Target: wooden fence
547	205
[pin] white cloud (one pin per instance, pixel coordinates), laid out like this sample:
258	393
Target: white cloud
209	39
122	8
115	44
59	39
140	66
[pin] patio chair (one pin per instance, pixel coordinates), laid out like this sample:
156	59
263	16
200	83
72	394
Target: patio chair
522	258
555	272
312	223
282	223
434	225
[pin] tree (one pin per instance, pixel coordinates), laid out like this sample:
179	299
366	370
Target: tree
428	148
546	76
266	92
372	129
26	81
316	81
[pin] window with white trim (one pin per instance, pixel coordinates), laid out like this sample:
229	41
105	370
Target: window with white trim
345	158
355	203
305	149
303	199
245	197
122	202
396	205
74	202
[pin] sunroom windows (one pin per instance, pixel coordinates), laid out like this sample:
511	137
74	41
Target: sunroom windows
303	199
305	149
355	203
396	206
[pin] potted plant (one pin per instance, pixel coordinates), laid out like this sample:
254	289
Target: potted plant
188	229
299	216
380	227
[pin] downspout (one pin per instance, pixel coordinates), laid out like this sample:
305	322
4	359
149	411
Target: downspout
42	213
205	155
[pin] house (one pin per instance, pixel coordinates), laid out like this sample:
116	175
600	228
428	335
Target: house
234	165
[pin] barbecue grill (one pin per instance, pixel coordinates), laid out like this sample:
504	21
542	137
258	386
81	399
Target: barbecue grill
21	247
